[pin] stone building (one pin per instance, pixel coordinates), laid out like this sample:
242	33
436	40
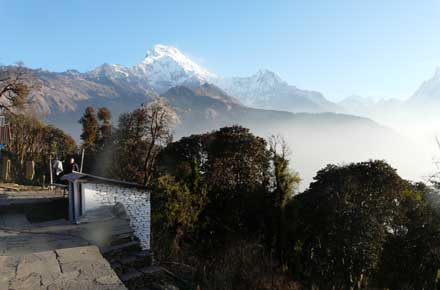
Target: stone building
93	198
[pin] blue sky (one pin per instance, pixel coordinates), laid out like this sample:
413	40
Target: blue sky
372	48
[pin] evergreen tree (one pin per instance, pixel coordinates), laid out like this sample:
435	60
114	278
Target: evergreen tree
105	127
234	167
89	134
343	221
411	255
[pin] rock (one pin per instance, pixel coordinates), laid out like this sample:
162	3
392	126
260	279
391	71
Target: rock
69	255
7	268
32	281
4	285
53	287
43	264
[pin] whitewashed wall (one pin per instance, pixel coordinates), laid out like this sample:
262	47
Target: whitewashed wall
135	201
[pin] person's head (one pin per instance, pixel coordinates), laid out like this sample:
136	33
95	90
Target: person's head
72	160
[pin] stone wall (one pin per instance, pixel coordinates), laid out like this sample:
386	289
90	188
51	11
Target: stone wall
135	201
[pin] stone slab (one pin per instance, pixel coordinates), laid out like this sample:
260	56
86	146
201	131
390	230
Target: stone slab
68	269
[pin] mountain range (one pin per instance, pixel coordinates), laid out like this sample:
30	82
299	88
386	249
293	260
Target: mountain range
165	67
318	131
425	99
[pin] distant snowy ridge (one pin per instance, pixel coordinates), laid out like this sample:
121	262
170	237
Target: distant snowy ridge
423	102
267	90
429	91
165	67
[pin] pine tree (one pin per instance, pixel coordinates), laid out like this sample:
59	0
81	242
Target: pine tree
89	124
105	128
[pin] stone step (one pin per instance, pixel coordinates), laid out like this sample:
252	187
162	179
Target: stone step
121	230
128	260
150	269
120	241
123	235
126	248
146	257
138	260
117	267
131	275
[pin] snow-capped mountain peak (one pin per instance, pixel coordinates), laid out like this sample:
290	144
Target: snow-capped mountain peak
110	71
437	73
429	90
165	67
162	68
259	83
268	77
356	103
165	53
267	90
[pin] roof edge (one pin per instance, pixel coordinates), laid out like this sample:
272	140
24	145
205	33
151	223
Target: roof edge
74	176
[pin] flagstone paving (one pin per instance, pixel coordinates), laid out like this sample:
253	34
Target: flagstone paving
67	269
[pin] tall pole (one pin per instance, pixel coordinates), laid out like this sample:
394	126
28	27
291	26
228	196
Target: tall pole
50	170
82	161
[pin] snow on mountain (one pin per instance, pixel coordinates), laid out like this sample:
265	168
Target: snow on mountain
166	67
163	68
369	107
429	91
356	102
110	71
266	90
253	89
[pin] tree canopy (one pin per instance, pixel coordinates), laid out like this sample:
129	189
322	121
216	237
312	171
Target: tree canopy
342	223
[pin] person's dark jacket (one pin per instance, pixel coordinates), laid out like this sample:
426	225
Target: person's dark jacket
72	167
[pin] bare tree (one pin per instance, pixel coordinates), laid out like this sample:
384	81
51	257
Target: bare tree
27	136
278	145
285	181
17	86
159	119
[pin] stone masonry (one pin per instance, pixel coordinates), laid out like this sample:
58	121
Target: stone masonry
68	269
135	201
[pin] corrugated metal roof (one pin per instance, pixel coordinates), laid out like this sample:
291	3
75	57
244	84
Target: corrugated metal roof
89	177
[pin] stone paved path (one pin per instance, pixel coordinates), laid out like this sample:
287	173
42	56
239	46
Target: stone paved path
21	239
18	236
22	197
67	269
14	221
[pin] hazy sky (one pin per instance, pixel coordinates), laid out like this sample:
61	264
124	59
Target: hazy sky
378	48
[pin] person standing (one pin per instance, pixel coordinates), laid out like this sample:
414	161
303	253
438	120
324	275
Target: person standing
72	166
58	169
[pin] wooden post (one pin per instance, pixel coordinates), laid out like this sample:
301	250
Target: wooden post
82	161
6	169
50	171
29	170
